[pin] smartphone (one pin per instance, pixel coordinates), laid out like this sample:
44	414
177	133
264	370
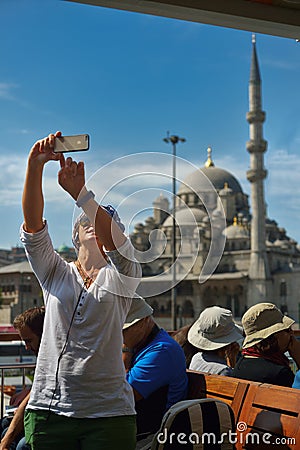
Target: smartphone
75	143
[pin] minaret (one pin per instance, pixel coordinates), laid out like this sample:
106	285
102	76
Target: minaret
259	268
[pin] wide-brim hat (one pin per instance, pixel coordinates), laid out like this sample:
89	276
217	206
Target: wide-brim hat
263	320
214	329
139	309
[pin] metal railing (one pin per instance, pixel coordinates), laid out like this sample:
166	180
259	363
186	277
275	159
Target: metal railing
19	367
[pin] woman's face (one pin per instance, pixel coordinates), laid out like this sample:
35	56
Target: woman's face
86	232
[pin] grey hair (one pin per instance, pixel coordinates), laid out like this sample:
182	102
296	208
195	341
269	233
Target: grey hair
75	234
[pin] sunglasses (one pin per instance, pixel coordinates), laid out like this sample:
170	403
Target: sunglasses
85	222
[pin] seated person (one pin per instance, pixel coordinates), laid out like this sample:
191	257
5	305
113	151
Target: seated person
155	367
29	325
268	336
216	336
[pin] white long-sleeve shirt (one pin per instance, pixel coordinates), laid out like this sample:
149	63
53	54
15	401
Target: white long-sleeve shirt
90	380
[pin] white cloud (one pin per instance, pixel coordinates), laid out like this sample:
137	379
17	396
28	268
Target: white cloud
12	181
133	182
281	64
281	186
140	170
284	174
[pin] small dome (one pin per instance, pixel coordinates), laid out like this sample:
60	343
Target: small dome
225	191
149	224
236	231
63	249
149	220
138	227
186	216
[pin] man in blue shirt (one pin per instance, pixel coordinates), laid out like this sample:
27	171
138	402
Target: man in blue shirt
155	367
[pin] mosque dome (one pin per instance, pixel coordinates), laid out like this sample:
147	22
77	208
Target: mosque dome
195	182
186	217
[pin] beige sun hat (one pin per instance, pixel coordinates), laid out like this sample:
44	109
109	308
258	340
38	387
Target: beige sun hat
214	329
262	320
139	309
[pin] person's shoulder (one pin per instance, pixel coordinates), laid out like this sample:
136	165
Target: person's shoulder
265	370
263	364
164	343
250	362
164	337
283	376
194	361
273	367
227	371
244	365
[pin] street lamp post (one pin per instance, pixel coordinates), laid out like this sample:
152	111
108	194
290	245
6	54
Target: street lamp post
174	140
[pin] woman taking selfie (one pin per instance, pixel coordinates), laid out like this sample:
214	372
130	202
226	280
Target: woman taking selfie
79	398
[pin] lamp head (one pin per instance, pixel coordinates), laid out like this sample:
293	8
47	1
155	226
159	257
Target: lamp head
173	139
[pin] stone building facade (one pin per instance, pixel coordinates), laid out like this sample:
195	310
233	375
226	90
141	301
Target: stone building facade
19	288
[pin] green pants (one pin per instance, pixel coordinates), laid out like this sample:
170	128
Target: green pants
48	431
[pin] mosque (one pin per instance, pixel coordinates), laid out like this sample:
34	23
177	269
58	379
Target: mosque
259	261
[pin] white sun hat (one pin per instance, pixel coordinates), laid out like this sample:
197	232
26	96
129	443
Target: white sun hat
214	329
139	309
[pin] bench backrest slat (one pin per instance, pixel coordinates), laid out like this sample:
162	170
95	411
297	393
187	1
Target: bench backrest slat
230	390
273	409
265	409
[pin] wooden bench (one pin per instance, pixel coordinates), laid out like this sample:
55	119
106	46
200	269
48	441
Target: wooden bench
267	416
230	390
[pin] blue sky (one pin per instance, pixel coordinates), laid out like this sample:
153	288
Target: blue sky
127	78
